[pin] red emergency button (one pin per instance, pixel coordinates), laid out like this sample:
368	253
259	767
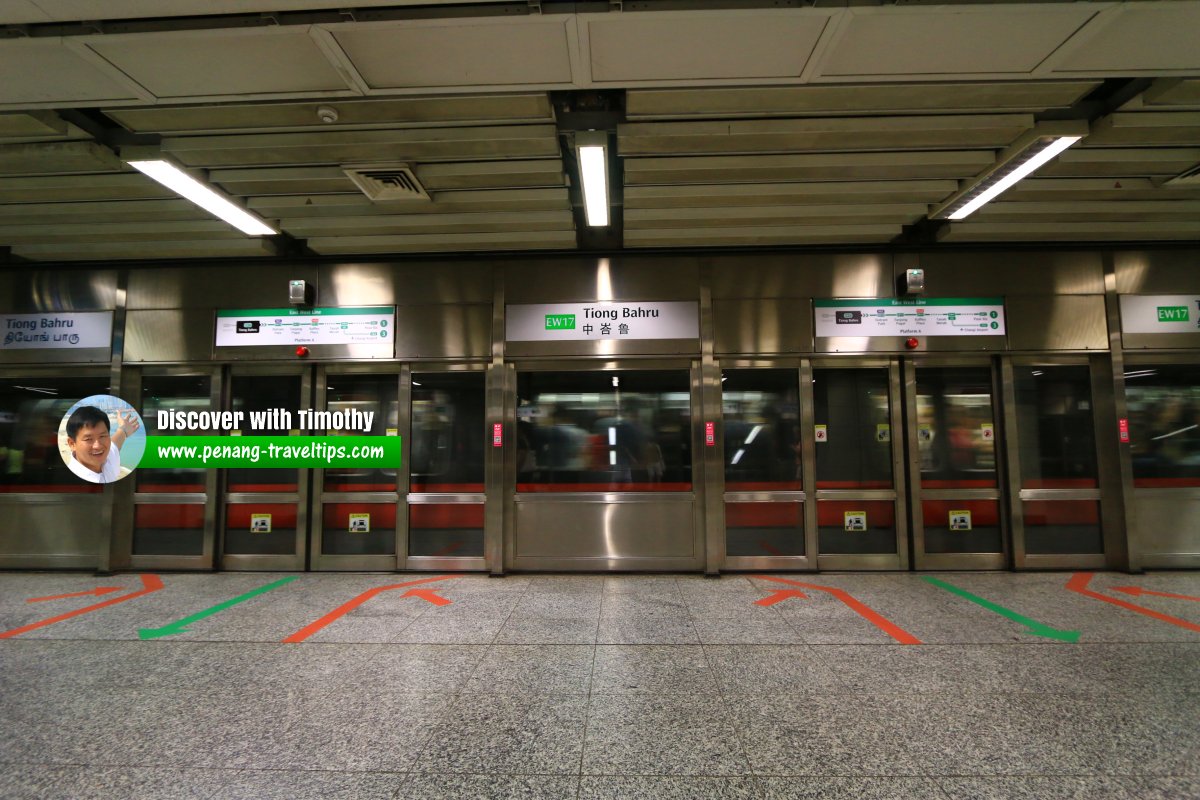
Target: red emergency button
301	351
912	343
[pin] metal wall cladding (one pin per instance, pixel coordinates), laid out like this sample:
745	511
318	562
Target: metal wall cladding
1006	274
620	278
53	532
169	335
250	285
763	326
444	331
1057	322
424	283
1158	271
29	291
780	275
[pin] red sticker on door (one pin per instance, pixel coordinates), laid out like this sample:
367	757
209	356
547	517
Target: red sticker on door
497	435
1123	430
710	434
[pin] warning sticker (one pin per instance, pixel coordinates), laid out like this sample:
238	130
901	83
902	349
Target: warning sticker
883	432
989	431
821	433
260	523
360	523
855	520
924	432
960	520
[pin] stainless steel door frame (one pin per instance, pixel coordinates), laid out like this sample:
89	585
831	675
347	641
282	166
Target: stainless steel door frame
318	560
404	559
297	561
1021	558
897	494
208	498
618	503
916	491
715	484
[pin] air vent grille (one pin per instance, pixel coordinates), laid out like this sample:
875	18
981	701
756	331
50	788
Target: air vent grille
385	182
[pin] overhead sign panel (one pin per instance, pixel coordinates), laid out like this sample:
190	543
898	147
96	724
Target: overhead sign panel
941	316
1160	313
372	328
56	330
574	321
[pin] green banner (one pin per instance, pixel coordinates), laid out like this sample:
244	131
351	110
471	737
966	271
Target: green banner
271	452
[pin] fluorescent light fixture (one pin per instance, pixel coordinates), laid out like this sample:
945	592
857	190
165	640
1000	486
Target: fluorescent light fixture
207	198
1028	154
591	148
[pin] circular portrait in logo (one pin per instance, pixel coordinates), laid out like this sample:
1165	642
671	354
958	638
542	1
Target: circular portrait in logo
101	439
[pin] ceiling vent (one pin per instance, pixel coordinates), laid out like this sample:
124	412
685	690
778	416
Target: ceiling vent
386	182
1186	179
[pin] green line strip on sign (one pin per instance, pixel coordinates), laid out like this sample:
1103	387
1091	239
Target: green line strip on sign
898	301
1035	627
180	626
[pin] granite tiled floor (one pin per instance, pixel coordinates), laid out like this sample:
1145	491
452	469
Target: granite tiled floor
600	687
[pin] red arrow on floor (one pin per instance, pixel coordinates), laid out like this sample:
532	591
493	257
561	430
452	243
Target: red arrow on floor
779	597
350	605
1079	583
1138	591
97	592
150	583
429	595
862	609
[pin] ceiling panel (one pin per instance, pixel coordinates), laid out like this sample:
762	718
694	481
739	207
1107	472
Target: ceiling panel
764	235
787	194
431	243
68	231
1173	92
480	52
104	211
1139	37
1060	189
50	72
825	134
382	225
815	167
1054	231
65	10
357	205
696	46
394	112
1092	211
1146	128
366	147
283	180
32	123
789	101
222	62
1091	162
81	188
48	158
662	218
954	40
242	247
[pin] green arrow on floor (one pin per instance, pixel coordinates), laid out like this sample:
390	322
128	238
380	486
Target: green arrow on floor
1035	627
180	626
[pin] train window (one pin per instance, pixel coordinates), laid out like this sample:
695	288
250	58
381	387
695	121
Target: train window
30	412
1164	424
178	393
626	431
446	448
1054	424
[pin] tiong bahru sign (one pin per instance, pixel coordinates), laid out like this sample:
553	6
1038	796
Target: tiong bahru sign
1160	313
53	330
602	321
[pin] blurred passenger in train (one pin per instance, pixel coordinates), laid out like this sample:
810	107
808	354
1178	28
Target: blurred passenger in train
95	454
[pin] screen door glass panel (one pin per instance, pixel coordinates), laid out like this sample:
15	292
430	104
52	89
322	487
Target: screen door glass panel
624	431
1054	425
174	393
956	432
374	394
251	393
446	448
853	431
761	414
1164	425
30	412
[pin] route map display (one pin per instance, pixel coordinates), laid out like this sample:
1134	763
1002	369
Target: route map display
941	316
291	326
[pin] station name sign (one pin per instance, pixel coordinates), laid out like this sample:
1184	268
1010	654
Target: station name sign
371	329
1160	313
56	331
939	316
576	321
